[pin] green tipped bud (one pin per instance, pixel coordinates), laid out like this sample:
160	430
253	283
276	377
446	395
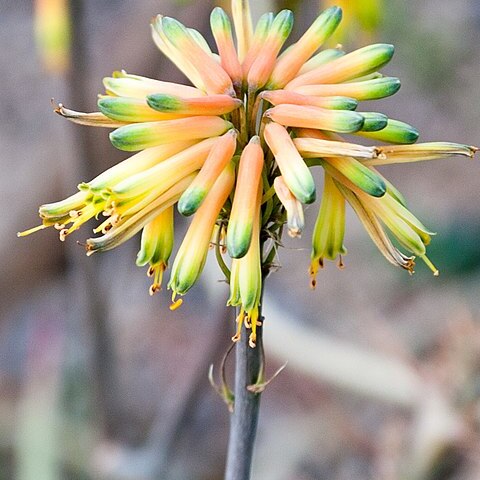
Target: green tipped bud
191	200
342	121
138	136
295	172
129	110
263	64
394	132
353	65
192	253
220	155
365	90
291	60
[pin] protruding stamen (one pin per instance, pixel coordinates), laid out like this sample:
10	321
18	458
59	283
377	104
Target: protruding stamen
430	265
31	230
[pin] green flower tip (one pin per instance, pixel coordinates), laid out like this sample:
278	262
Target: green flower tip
164	102
374	121
219	20
191	200
238	241
306	195
283	24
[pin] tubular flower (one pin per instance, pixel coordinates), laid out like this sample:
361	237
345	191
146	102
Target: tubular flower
246	279
156	247
245	202
236	150
327	239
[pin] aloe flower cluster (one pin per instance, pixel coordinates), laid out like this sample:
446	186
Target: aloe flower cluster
235	151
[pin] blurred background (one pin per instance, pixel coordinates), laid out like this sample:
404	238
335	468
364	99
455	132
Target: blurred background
100	381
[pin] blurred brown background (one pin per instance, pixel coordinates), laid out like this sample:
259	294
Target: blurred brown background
99	380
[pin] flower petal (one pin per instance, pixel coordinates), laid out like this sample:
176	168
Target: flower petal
420	151
94	119
314	148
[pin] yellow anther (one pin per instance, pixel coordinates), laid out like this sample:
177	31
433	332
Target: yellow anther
176	304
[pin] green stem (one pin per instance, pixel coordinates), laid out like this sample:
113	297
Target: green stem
243	421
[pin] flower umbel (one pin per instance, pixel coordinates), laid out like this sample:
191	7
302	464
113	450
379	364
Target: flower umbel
235	151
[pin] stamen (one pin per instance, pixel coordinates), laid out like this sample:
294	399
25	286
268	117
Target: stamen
430	265
63	234
31	230
340	263
239	321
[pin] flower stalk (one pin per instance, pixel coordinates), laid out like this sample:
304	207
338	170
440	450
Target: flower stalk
234	151
244	418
